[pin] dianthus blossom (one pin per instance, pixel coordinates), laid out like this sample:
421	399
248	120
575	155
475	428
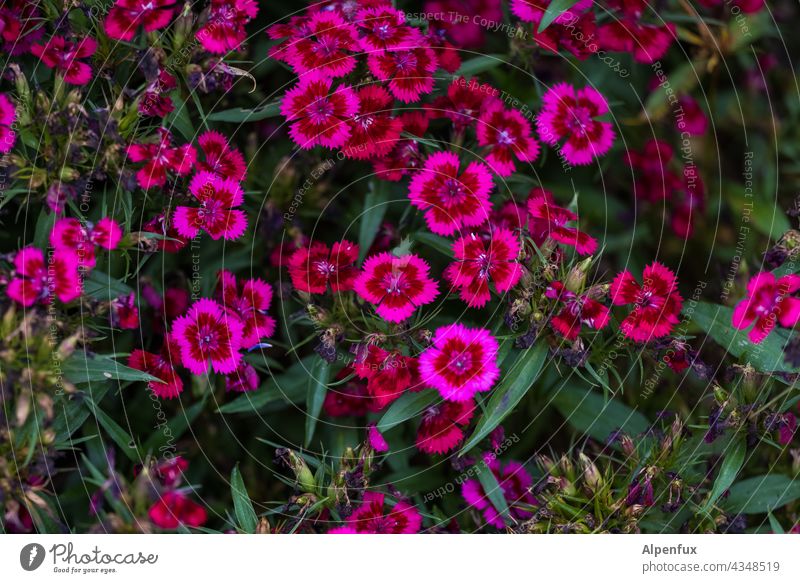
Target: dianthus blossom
570	114
216	214
515	483
243	379
397	286
460	363
159	158
369	518
577	310
7	116
207	333
163	365
38	280
174	509
313	269
70	234
409	72
220	157
451	198
508	136
547	219
319	113
464	102
249	302
769	302
126	16
374	130
225	29
388	374
442	426
656	303
383	27
327	47
376	440
63	56
480	260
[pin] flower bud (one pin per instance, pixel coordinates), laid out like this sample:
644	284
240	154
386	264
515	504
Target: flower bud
576	278
302	473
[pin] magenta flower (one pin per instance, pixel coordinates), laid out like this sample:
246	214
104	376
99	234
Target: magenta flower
515	483
37	280
480	260
656	303
461	362
250	305
376	440
126	16
159	158
569	114
313	269
388	374
408	71
208	333
243	380
62	55
550	220
694	120
327	47
382	27
19	26
464	102
225	29
442	426
396	285
533	10
507	134
124	312
369	518
7	116
319	115
163	366
769	302
173	509
577	311
451	199
216	214
374	131
220	157
70	234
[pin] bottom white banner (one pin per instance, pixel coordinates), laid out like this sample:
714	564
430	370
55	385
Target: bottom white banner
335	558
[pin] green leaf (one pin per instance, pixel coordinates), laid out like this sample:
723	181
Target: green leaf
175	427
408	406
472	67
762	494
715	320
239	115
371	218
679	81
71	413
289	387
590	413
317	389
436	242
242	505
492	489
731	466
774	524
179	117
516	383
102	286
121	437
553	11
83	367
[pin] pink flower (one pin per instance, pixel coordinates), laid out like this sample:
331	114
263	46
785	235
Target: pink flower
464	102
250	306
408	71
155	100
405	157
312	269
319	115
225	29
173	509
62	55
694	120
382	27
215	215
514	482
507	134
220	157
577	310
657	302
159	158
569	114
349	399
208	333
533	10
244	379
297	27
70	234
7	116
442	426
327	47
124	313
396	285
388	374
35	280
369	518
126	16
163	225
464	21
647	42
374	131
461	362
451	199
163	366
19	26
376	440
768	302
480	260
550	220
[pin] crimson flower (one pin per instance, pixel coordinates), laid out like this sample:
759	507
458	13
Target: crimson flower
250	305
216	214
442	426
173	509
126	16
577	311
550	220
369	518
159	158
768	302
63	56
312	269
656	303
